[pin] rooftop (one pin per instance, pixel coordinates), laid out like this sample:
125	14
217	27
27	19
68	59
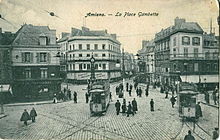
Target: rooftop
29	35
87	33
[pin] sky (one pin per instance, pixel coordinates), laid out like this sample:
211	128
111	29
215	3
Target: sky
131	30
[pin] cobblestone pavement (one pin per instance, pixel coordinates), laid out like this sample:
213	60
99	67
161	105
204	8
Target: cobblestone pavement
68	120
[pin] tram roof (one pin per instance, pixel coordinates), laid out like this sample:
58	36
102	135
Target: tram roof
188	92
96	90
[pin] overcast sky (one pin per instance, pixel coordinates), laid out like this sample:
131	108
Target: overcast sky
131	30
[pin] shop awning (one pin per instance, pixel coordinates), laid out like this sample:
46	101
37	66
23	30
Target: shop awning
201	78
5	88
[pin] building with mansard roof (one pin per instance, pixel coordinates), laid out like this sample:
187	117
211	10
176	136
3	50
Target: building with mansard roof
180	54
36	70
77	48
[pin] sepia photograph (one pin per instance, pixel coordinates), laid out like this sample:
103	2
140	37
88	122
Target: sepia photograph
109	69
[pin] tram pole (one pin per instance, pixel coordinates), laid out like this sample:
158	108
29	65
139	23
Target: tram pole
218	20
123	69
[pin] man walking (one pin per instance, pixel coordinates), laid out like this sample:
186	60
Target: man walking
134	104
75	97
25	117
198	110
172	100
146	92
117	106
152	105
33	114
130	110
166	92
87	97
140	92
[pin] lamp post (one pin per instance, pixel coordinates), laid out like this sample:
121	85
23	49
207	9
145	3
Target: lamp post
185	67
92	60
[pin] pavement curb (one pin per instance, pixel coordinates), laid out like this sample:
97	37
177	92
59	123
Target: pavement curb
27	104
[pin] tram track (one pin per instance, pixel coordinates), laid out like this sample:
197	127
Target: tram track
81	126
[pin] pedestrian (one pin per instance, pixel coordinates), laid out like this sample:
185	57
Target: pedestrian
110	96
25	117
189	136
215	134
33	114
130	110
117	106
140	92
134	105
172	100
87	97
131	87
135	85
207	97
198	110
214	96
137	91
146	92
127	84
161	89
75	97
69	94
166	92
55	98
124	108
129	92
152	105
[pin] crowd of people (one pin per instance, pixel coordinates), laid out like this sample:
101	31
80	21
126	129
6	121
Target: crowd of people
65	95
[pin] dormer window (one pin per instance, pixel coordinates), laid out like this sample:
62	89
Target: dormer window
43	39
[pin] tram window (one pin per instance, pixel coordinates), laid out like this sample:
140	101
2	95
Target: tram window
96	98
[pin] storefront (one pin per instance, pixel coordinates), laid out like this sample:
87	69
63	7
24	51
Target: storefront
36	89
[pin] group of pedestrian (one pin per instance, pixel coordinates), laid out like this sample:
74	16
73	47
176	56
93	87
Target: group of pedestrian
130	109
139	91
63	95
25	116
215	135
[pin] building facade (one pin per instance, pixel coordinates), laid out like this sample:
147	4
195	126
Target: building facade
5	65
77	49
35	67
180	53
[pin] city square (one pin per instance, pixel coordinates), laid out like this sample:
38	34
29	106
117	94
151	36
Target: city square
95	70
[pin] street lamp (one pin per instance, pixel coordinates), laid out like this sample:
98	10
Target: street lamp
185	67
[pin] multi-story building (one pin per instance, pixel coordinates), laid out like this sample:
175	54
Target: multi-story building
179	52
78	47
35	67
5	63
129	63
146	55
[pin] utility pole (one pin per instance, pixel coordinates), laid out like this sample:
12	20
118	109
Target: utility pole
123	68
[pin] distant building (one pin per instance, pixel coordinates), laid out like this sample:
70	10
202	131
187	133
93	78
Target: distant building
146	55
129	63
180	53
35	67
77	49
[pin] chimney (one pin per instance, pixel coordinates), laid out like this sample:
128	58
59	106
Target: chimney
179	21
114	36
84	29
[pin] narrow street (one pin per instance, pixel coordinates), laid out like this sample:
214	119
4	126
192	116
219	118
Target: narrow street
69	120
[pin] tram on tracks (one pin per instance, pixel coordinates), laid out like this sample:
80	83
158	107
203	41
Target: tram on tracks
187	97
99	92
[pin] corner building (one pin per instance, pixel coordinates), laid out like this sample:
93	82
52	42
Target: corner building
77	49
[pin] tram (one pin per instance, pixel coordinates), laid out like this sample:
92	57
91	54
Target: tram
187	97
100	97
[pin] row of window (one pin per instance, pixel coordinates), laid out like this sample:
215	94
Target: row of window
96	47
27	57
86	66
72	56
43	73
186	41
194	67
